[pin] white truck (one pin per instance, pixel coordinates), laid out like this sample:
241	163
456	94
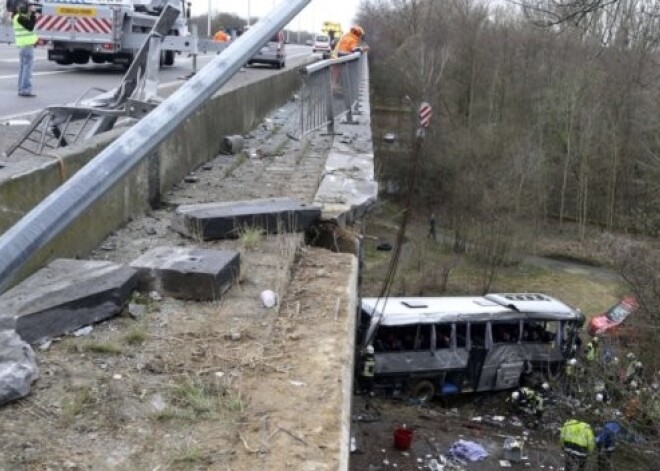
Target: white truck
103	30
111	31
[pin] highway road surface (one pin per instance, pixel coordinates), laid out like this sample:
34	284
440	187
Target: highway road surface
56	84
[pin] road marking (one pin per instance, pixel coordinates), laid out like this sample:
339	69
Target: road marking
17	115
37	74
305	54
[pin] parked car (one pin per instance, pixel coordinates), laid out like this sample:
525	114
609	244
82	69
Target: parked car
271	53
322	45
605	323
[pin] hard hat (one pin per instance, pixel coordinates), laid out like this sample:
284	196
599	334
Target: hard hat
515	395
633	384
638	364
594	339
630	356
545	386
572	362
357	30
370	349
599	397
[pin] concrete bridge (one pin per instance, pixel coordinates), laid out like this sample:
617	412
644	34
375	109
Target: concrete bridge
199	369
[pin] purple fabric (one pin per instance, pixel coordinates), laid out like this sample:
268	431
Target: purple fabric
467	450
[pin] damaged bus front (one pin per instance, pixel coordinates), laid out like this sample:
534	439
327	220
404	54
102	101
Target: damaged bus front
449	345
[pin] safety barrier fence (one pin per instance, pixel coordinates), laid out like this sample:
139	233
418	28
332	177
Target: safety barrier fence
330	90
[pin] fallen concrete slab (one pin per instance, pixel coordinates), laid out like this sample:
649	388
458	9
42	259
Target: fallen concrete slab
187	272
211	221
18	367
64	296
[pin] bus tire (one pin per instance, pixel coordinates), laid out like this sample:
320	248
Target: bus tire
421	390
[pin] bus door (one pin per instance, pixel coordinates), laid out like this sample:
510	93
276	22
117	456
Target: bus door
504	360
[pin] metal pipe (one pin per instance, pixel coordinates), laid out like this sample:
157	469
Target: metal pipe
57	211
316	66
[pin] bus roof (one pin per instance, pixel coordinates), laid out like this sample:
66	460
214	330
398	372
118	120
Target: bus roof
402	311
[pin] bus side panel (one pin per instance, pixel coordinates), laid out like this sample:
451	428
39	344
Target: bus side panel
502	368
418	363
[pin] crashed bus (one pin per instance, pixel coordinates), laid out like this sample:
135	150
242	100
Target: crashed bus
449	345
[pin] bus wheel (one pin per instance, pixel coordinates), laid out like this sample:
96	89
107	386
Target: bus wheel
422	390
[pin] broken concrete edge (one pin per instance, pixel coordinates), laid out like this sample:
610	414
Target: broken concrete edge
341	176
347	373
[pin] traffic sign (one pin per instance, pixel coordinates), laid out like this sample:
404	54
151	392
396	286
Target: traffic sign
425	113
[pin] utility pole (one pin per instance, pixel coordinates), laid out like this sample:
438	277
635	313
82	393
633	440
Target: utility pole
249	12
208	22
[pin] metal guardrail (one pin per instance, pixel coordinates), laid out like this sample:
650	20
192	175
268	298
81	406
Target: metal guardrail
330	90
62	207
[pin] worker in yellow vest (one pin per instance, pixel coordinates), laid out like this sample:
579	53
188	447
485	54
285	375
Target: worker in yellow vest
367	371
578	441
24	21
592	349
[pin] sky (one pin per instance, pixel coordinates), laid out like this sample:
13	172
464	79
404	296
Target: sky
311	18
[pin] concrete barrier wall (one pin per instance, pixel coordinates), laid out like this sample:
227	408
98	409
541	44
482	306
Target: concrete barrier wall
23	184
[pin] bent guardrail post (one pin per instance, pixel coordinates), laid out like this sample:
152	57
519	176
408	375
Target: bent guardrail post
50	217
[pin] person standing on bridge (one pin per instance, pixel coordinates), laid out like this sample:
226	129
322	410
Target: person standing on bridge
24	21
350	42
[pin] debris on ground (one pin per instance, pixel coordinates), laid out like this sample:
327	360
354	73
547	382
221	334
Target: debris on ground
18	367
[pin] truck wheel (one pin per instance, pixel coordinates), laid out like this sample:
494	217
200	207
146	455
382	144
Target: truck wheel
422	390
80	57
169	58
98	59
67	61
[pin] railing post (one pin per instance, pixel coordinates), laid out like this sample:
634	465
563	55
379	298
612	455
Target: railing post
327	89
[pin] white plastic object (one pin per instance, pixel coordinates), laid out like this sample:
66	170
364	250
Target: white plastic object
268	298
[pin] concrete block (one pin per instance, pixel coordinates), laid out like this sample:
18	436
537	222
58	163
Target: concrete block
64	296
223	220
187	272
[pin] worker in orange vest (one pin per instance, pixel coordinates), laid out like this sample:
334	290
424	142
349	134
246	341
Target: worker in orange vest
221	37
350	42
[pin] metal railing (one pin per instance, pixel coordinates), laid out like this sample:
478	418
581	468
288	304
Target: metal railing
331	89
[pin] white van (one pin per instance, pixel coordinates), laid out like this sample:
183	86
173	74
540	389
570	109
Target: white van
322	45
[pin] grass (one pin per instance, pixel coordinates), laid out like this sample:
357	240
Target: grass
233	401
82	398
192	399
251	237
100	348
240	160
136	336
188	454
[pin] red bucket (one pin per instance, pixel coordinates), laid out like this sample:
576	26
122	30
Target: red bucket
402	438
